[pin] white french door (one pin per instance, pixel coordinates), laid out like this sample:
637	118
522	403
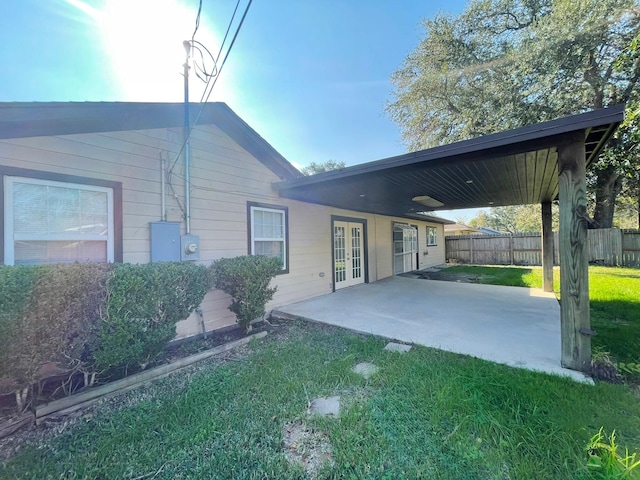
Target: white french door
348	254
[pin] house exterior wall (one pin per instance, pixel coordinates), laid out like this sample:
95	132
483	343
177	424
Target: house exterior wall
224	177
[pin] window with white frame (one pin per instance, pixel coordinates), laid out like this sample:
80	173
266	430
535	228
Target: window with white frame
432	236
268	234
57	222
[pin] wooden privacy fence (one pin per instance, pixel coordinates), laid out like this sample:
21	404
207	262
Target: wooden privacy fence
607	246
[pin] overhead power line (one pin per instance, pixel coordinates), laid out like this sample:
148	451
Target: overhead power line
195	30
212	78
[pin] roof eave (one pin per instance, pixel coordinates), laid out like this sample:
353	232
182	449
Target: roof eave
39	119
611	116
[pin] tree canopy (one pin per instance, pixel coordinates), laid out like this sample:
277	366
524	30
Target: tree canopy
503	64
327	166
513	219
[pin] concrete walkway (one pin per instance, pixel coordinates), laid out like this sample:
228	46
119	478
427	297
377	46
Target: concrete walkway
516	326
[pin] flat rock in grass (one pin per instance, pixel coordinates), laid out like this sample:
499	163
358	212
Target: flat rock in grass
365	369
325	406
397	347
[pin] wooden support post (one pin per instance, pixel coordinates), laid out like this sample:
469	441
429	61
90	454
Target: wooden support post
574	260
547	248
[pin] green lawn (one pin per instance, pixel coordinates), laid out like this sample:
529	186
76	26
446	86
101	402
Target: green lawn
615	301
425	414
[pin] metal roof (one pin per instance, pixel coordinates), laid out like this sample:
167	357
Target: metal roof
514	167
36	119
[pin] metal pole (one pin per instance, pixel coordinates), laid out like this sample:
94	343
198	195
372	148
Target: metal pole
163	204
187	159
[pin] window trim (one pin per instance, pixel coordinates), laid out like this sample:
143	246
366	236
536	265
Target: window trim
435	229
116	188
251	207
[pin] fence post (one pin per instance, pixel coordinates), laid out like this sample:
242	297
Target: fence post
471	239
511	248
617	247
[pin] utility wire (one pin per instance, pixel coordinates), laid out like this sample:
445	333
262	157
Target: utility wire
198	47
193	35
224	40
204	99
224	60
226	34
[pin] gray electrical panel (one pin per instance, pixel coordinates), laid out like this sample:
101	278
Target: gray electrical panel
165	242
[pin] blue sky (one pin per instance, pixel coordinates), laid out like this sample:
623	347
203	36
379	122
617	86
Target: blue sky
311	77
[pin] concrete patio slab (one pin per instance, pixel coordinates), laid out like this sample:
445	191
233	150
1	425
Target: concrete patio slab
515	326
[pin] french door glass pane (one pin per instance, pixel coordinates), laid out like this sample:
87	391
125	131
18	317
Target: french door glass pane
356	252
340	253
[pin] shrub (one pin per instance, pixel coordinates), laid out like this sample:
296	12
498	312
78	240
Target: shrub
48	314
247	280
603	368
143	306
16	286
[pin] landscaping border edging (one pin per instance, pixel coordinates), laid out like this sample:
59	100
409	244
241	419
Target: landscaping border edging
72	403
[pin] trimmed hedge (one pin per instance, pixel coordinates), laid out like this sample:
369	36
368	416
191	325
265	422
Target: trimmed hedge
48	313
247	280
90	317
145	303
16	286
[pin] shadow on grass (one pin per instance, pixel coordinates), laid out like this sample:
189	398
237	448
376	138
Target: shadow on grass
618	325
620	275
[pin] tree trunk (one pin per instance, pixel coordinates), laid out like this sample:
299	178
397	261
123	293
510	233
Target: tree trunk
608	186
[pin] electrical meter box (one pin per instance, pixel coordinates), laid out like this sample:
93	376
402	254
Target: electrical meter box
165	241
190	247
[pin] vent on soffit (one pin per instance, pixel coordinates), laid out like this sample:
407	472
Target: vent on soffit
428	201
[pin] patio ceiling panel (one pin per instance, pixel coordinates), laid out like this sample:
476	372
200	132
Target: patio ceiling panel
524	178
510	168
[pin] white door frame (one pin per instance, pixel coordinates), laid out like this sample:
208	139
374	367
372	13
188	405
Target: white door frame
364	257
408	256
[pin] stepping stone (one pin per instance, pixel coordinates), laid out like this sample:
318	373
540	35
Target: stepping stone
397	347
325	406
365	369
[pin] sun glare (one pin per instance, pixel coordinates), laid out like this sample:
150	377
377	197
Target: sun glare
142	41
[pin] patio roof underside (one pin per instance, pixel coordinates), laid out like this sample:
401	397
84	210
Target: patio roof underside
515	167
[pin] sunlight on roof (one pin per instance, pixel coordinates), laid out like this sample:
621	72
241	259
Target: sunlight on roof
142	41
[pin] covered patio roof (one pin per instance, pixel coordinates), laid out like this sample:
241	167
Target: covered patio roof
515	167
535	164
